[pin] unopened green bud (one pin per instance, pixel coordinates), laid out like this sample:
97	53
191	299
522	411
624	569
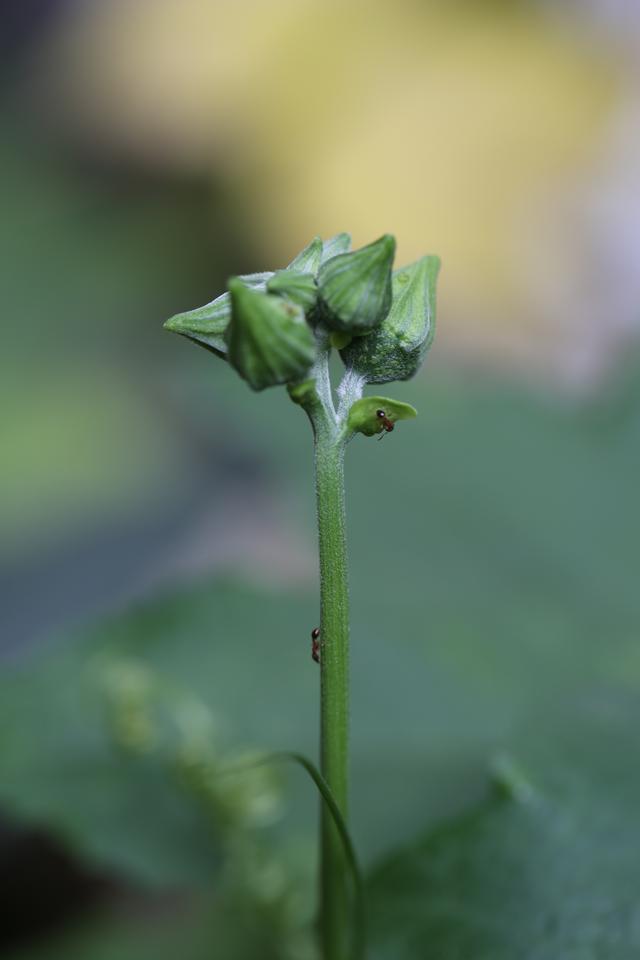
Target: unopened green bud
341	243
268	339
309	259
355	288
396	348
207	325
372	415
300	288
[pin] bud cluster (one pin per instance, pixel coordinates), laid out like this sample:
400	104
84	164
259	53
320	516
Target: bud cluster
268	325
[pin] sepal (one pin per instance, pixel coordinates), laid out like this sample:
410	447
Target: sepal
300	288
207	325
334	246
309	259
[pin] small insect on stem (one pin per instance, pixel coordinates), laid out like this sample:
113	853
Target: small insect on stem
315	645
387	425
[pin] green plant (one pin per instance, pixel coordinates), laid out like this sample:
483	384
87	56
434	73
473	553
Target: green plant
485	624
280	328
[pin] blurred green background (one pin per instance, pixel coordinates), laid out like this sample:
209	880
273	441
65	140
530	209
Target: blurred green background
152	148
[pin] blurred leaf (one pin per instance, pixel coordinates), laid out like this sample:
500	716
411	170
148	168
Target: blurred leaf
494	593
517	879
84	444
81	447
60	766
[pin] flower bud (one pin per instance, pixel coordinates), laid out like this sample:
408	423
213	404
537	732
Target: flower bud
300	288
309	259
341	243
372	415
268	340
206	325
396	348
355	288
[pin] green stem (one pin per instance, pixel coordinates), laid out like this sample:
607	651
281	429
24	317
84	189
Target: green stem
331	434
334	683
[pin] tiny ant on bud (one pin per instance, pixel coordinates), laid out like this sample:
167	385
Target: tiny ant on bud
315	645
387	425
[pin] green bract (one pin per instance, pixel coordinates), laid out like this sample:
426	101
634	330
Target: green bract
303	392
206	325
300	288
309	259
364	417
268	340
355	288
341	243
339	339
396	348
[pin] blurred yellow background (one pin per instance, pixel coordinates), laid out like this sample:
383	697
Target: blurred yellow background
502	136
475	129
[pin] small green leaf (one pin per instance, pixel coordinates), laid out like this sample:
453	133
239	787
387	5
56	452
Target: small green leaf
355	288
359	925
309	259
206	325
300	288
396	348
351	858
341	243
268	340
369	414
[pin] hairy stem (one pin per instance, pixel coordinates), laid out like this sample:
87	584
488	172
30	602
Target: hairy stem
330	438
334	683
